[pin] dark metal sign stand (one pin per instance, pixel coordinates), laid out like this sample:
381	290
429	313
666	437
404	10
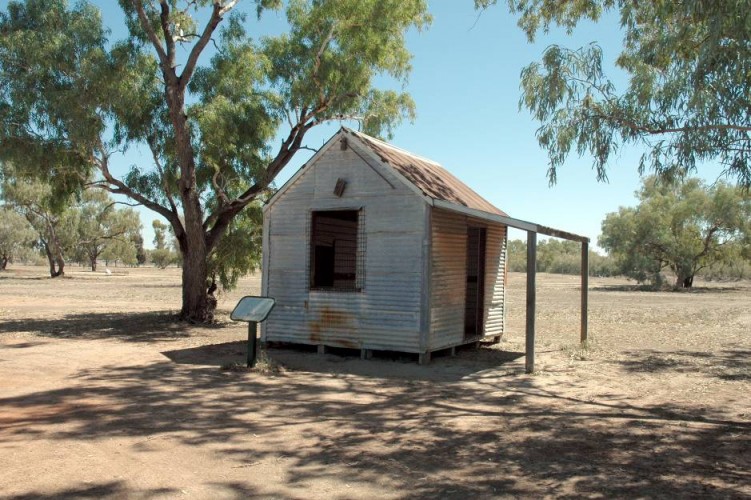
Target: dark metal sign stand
254	310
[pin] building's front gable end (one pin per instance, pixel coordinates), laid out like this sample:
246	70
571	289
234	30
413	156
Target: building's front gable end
344	254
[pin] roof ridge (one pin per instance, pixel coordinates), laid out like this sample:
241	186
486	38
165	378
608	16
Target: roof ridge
391	146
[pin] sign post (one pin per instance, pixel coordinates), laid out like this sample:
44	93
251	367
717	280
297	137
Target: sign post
254	310
252	327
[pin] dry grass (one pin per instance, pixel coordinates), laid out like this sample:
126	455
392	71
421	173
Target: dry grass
103	393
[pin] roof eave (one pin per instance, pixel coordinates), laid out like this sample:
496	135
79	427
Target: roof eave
510	221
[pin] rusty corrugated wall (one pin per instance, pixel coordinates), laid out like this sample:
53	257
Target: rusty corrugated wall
495	280
448	278
411	283
386	313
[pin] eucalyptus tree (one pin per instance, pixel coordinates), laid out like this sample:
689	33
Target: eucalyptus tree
101	225
688	96
681	226
163	254
219	131
123	251
48	215
16	237
140	256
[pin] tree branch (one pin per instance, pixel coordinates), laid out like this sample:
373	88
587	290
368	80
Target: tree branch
116	186
151	141
289	147
195	52
668	130
221	193
168	36
317	63
146	25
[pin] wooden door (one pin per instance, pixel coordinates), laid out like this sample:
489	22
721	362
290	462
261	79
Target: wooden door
475	290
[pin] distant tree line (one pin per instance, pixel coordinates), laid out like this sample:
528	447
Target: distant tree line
679	230
559	257
38	225
87	228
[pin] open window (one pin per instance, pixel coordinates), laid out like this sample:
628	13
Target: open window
335	251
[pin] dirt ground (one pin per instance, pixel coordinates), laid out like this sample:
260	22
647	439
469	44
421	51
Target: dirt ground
102	394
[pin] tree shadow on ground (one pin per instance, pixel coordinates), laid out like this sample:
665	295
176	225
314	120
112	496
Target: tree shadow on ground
9	274
102	490
347	361
726	364
491	434
21	345
152	326
220	354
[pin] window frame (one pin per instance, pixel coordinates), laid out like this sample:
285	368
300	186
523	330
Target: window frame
359	256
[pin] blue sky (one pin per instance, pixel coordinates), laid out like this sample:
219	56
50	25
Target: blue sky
465	82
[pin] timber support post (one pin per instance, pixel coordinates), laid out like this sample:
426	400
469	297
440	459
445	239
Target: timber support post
529	364
584	291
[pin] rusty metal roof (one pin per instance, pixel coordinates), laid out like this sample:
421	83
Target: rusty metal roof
428	176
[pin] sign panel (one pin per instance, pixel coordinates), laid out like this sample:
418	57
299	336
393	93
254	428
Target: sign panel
251	308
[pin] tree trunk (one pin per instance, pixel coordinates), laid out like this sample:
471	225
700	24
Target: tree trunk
196	306
51	261
190	234
684	281
57	264
195	292
4	262
54	252
92	260
60	266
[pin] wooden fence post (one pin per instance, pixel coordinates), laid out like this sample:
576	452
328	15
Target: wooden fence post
531	300
584	291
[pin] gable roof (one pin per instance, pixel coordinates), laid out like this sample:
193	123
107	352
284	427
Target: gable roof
427	176
436	184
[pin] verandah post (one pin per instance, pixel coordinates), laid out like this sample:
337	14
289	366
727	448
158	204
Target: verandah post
531	299
584	291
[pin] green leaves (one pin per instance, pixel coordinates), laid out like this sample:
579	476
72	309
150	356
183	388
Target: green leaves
236	117
238	253
70	99
569	94
325	66
682	226
16	236
687	100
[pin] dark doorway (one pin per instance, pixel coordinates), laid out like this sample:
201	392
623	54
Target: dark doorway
475	296
333	250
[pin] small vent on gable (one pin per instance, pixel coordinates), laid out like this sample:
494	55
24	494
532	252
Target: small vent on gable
341	185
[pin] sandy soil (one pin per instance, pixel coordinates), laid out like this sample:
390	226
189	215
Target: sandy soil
102	394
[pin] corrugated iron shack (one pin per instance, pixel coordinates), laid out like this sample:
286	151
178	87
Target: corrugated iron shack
370	247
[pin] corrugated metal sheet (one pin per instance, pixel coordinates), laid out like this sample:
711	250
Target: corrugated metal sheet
428	176
448	293
386	313
448	280
495	281
413	282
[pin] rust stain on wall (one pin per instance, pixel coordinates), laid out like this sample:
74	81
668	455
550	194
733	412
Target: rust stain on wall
331	319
